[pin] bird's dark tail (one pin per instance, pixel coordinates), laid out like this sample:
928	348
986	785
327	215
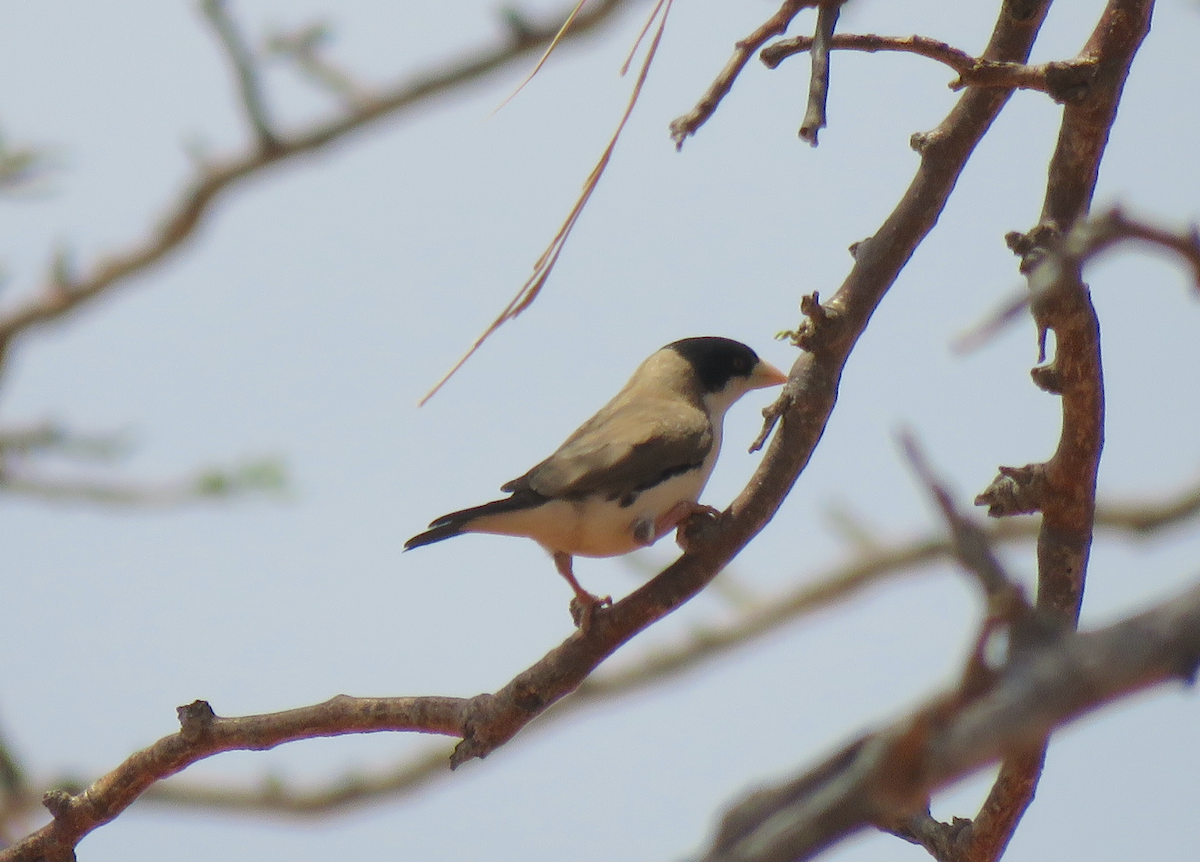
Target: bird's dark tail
449	526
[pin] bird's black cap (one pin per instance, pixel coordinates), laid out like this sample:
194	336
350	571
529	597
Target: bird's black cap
716	360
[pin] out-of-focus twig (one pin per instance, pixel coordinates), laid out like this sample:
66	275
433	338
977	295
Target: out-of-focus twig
213	484
50	438
1087	240
886	776
23	169
304	49
245	69
219	175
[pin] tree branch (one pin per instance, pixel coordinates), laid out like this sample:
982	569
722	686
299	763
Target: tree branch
704	645
58	296
688	124
1062	81
887	776
1066	484
818	80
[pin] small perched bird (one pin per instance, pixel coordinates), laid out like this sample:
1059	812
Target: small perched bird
631	473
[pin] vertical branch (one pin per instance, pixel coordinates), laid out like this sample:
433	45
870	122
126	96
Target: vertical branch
1066	484
818	82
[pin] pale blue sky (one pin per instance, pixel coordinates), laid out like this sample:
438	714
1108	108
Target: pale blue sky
323	299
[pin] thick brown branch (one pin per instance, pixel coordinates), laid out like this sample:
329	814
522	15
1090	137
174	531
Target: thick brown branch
491	720
705	645
1061	303
59	296
886	777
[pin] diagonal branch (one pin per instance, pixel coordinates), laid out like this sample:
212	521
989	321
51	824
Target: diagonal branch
488	721
704	645
888	775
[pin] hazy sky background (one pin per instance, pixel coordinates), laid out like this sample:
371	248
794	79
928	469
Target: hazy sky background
323	299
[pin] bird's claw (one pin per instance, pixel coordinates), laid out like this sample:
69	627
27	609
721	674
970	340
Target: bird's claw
695	525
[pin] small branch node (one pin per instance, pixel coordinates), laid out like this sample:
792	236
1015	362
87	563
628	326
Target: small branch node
1015	491
58	803
1069	83
1047	377
817	330
195	720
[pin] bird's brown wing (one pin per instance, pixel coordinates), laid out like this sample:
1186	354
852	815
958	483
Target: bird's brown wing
628	447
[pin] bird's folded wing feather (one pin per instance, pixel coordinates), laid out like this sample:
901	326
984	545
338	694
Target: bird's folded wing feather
625	448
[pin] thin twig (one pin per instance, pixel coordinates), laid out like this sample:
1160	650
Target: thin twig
1062	81
545	264
688	124
245	69
818	81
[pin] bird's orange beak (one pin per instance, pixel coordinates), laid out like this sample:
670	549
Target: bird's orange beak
765	374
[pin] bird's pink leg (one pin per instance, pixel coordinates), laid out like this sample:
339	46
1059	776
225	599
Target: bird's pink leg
584	605
676	518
